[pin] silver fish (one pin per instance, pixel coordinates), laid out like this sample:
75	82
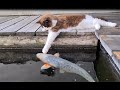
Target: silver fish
63	65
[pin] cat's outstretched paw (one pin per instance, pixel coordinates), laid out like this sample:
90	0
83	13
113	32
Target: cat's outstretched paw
112	24
44	50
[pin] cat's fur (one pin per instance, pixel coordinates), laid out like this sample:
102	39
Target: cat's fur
55	24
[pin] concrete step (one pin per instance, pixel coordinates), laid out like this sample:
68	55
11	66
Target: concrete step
83	47
39	41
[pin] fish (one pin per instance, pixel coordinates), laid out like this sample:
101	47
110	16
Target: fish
63	65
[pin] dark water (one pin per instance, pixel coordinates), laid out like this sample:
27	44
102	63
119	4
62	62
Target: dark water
24	67
104	68
30	71
20	66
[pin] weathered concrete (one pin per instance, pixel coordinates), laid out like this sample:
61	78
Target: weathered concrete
108	31
84	47
117	54
111	43
81	55
21	56
39	11
39	41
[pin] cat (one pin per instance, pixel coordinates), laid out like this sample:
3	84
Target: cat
58	23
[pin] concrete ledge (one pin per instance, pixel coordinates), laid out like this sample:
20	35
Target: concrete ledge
108	31
39	11
74	48
106	68
39	41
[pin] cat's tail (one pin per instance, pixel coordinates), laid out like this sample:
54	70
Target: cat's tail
105	23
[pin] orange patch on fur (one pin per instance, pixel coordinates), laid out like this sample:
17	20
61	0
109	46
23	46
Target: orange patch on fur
63	21
66	21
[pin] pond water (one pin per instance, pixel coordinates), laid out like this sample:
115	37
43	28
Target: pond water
105	69
25	67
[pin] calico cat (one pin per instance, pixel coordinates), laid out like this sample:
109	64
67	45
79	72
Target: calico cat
58	23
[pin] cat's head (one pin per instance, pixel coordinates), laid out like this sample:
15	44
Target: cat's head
47	21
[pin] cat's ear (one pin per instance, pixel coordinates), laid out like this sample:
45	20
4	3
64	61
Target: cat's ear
54	22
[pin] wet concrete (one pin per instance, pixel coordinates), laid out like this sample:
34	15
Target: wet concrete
18	55
25	67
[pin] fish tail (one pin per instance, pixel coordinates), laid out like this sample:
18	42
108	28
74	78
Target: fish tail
85	74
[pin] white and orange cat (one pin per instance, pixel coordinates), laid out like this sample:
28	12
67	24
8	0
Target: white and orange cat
59	23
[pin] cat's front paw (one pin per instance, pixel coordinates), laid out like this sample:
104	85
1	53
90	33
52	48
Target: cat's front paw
112	24
44	50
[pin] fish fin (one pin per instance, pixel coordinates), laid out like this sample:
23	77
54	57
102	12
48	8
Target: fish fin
57	54
46	66
62	71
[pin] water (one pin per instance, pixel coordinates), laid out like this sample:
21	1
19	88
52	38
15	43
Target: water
25	67
30	72
104	69
20	66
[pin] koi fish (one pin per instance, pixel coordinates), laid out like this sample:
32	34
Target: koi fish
63	65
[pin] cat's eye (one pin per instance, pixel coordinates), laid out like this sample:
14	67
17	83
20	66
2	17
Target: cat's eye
46	23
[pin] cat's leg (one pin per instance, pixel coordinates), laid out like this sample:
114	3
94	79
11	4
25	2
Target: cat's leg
105	23
51	37
97	26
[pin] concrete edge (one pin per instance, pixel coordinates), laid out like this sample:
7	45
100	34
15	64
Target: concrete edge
39	11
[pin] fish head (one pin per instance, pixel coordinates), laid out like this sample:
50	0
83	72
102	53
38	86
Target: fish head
41	56
48	59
